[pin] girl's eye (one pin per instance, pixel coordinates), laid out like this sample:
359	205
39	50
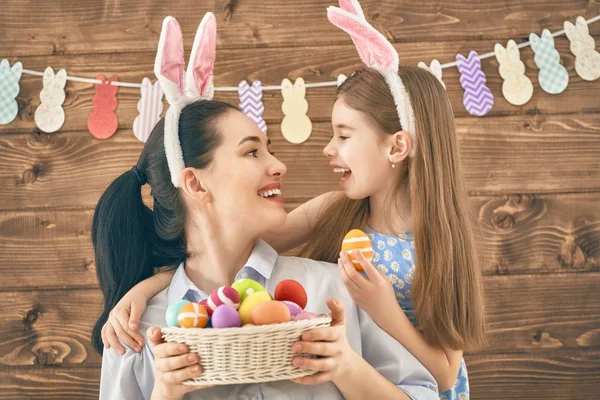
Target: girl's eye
343	137
253	153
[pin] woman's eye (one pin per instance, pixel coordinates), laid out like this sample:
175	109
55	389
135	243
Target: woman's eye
253	153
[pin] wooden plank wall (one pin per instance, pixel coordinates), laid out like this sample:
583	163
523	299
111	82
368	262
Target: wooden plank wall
533	173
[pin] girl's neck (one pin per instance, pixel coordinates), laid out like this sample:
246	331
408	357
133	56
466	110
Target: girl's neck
390	217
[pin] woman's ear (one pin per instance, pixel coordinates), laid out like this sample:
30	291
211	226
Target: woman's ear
191	184
400	147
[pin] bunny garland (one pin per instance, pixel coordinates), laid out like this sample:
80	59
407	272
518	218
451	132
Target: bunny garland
583	46
435	68
553	77
517	88
103	122
478	98
296	127
50	116
182	87
9	89
378	53
251	102
150	106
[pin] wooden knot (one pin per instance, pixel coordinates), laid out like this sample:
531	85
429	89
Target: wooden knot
229	9
31	317
45	356
39	137
30	175
502	220
543	339
571	255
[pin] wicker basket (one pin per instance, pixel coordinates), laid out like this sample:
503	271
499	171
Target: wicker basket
251	354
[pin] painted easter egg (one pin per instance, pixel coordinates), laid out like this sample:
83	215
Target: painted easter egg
173	311
357	239
270	312
223	295
204	303
192	315
249	303
291	290
246	287
226	316
295	309
305	315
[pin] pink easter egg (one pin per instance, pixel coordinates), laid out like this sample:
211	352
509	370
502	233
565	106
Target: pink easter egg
305	315
205	304
223	295
295	309
226	316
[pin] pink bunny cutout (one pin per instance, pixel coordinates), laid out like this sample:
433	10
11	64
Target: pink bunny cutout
377	53
103	122
182	87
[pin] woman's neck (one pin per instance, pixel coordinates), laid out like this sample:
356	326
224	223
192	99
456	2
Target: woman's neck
390	217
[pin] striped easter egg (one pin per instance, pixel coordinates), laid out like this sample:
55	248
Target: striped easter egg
357	239
192	315
223	295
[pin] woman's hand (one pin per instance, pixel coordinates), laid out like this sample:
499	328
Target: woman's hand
373	293
331	344
174	364
123	323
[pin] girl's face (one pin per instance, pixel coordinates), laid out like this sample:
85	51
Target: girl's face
244	180
359	153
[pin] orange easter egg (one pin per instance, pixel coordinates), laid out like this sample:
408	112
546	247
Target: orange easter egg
270	312
357	239
192	315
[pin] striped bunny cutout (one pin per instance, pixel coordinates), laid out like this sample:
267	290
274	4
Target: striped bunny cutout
251	102
435	68
552	76
9	89
478	98
182	87
517	88
378	53
50	116
296	126
149	107
583	46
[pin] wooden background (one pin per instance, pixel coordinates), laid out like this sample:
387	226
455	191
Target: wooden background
533	173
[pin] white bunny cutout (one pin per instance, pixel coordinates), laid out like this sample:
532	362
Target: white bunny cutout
296	127
50	116
377	53
182	87
517	88
435	68
583	46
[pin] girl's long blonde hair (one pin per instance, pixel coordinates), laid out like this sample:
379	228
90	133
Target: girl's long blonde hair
446	290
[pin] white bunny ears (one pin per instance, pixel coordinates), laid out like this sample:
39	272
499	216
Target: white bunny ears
377	53
183	87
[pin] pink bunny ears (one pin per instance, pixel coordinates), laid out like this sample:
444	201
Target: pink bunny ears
377	53
182	87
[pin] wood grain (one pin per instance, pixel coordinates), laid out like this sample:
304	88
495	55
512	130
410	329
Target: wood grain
34	28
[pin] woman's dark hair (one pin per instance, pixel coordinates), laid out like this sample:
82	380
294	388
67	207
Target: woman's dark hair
131	240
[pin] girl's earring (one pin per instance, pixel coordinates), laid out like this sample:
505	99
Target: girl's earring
393	165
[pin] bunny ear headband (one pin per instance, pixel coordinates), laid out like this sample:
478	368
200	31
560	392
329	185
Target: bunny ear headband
377	53
182	87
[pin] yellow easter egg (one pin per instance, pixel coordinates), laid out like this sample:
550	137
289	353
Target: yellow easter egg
249	303
357	239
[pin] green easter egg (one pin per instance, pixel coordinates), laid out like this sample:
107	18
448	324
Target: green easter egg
246	287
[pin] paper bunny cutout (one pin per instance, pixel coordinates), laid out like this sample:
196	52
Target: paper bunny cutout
552	76
9	89
182	87
149	107
296	126
517	88
341	78
478	98
583	46
50	116
378	53
103	122
251	102
435	68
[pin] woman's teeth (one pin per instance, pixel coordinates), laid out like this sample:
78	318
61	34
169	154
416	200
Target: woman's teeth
342	170
269	193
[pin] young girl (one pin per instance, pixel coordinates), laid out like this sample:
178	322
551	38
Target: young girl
403	185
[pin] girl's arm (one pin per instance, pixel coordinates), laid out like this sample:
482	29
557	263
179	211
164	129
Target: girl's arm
376	296
300	223
124	320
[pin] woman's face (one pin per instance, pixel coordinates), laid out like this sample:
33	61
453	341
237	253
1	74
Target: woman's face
244	179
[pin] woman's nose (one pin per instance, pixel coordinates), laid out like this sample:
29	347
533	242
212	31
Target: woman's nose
277	168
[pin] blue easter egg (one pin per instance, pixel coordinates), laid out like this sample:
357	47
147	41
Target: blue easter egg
172	311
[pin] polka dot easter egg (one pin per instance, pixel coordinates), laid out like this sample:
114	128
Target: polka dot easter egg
223	295
249	303
172	313
246	287
291	290
357	239
192	315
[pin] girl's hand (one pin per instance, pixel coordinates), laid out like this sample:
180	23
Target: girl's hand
174	364
331	344
373	293
123	323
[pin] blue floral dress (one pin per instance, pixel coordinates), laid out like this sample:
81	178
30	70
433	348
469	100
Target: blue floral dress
394	255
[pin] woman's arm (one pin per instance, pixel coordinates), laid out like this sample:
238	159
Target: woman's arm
300	223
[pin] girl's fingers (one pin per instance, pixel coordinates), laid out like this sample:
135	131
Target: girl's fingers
165	350
352	287
180	375
124	336
134	319
353	274
368	267
315	364
124	320
315	379
328	334
104	338
317	348
176	362
113	340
